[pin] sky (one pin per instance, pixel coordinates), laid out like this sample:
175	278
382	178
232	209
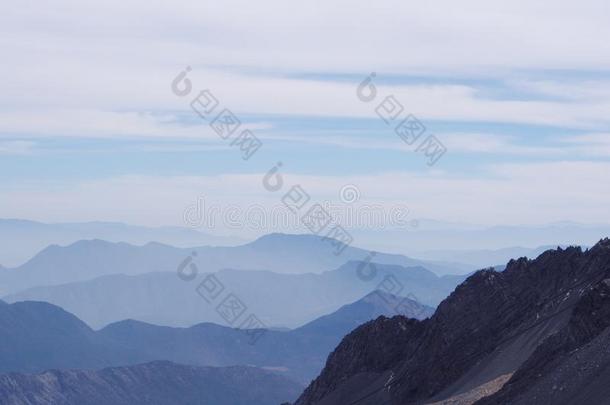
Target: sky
518	94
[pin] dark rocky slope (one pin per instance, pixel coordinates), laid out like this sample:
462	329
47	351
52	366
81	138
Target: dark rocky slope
572	366
527	322
158	383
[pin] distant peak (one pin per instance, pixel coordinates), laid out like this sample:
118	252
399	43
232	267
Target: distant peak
154	244
127	322
603	244
288	238
90	242
279	235
376	295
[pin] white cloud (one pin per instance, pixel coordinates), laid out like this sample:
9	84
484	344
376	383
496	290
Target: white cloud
99	69
16	147
89	123
344	35
559	147
591	144
509	193
497	144
584	90
262	95
117	56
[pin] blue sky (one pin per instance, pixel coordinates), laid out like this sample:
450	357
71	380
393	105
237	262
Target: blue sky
518	94
302	138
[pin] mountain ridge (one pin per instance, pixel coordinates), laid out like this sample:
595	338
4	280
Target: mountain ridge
36	336
85	260
490	326
284	300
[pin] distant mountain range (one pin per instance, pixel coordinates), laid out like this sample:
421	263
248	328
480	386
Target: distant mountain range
157	383
35	336
536	333
280	253
533	331
279	300
429	236
22	239
299	353
485	258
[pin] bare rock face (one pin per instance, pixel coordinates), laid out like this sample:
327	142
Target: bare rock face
576	353
157	383
528	322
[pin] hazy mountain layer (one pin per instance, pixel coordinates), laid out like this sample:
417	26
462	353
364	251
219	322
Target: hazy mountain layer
484	258
286	254
22	239
432	235
36	336
277	299
299	353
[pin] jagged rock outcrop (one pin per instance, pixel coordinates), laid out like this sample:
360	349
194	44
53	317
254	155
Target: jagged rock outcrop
550	375
524	321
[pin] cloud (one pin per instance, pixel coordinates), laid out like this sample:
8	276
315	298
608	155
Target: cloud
597	145
559	146
16	147
340	36
115	62
270	97
530	193
103	70
90	123
489	143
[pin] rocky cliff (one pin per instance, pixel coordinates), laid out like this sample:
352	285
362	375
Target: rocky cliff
494	339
